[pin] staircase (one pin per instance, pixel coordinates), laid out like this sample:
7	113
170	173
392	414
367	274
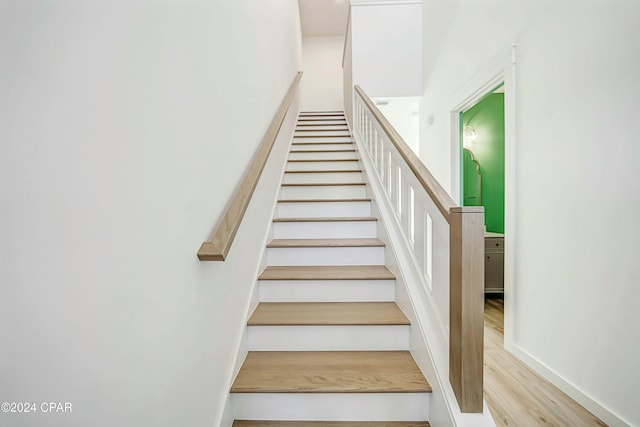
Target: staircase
328	344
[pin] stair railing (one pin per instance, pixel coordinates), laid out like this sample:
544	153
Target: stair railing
217	249
446	241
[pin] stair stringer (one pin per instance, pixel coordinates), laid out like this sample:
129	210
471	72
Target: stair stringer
428	341
274	169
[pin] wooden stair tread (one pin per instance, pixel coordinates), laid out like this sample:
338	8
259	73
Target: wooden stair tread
323	142
327	313
321	184
331	272
247	423
327	171
323	200
318	119
324	243
305	116
321	160
324	124
350	150
327	219
323	130
320	111
322	136
330	372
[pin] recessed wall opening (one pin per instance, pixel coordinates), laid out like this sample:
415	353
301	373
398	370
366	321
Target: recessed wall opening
482	143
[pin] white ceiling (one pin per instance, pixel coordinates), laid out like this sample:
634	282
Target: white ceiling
323	17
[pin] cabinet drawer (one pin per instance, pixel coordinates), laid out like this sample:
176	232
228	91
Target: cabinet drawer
494	243
493	272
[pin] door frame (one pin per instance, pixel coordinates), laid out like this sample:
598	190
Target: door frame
501	70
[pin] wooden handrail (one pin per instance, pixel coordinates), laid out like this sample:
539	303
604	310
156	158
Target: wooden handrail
466	274
218	247
443	201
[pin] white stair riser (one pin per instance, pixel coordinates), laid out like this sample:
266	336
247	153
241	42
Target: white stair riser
330	115
315	209
326	256
329	155
302	142
322	133
335	127
323	192
332	406
328	338
322	146
335	177
310	166
328	230
321	139
326	290
338	122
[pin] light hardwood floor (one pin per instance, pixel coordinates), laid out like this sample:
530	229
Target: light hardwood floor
515	394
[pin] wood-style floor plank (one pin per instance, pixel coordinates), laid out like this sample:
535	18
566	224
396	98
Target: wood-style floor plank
330	372
331	272
243	423
518	396
323	243
327	313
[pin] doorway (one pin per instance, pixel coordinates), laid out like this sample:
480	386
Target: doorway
482	148
501	75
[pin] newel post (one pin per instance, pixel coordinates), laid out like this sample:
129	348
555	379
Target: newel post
466	303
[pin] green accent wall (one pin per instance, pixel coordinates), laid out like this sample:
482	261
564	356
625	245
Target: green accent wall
487	118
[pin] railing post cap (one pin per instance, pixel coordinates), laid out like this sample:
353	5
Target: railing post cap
466	209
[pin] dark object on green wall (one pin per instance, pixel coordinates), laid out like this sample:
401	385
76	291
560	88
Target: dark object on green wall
487	118
472	179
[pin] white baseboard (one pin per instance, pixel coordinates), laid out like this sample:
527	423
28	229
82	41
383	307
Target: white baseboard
572	391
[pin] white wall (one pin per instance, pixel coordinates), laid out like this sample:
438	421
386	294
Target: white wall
124	127
402	113
321	87
575	203
387	47
347	77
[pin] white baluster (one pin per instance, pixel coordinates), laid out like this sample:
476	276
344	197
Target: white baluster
428	249
403	208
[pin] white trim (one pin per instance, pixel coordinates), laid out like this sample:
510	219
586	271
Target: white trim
589	403
502	69
510	200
